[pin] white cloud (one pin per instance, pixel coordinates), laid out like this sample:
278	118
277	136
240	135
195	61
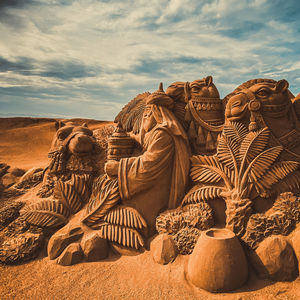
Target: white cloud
134	44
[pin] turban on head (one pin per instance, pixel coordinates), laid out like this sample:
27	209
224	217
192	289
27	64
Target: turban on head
160	98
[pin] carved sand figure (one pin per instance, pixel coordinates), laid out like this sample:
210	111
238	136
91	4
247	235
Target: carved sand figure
252	158
203	112
245	167
260	103
155	180
73	151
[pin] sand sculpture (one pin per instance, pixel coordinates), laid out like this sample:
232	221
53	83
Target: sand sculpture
214	178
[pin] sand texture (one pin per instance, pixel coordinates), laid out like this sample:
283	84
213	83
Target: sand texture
24	143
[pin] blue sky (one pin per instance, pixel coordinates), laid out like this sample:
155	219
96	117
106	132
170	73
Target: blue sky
87	58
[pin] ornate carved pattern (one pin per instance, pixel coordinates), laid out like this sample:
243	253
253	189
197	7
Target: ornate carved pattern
241	164
185	224
47	213
125	236
282	219
107	197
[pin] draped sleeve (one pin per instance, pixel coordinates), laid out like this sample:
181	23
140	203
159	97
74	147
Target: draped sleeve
138	174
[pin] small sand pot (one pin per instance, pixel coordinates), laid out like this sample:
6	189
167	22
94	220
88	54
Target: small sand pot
218	262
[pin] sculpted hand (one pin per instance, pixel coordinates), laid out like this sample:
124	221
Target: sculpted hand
111	168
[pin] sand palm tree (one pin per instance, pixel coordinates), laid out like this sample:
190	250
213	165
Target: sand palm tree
243	165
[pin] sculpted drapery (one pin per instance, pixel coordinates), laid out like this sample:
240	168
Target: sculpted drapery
157	179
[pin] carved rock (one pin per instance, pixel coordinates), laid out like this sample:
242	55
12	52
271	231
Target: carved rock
163	249
21	248
17	172
218	262
31	178
3	169
186	239
296	246
62	238
9	213
94	248
30	173
274	258
197	215
280	219
72	255
9	180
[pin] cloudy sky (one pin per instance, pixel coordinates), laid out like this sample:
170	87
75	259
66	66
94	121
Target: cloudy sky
87	58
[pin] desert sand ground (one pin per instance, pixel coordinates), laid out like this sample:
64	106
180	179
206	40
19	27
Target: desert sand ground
24	143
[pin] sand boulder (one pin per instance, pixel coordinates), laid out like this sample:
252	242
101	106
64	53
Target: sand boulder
275	259
163	249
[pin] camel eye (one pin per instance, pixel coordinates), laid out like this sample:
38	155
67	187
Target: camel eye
236	103
61	136
262	93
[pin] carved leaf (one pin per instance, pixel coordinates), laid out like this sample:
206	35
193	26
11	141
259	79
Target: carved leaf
208	169
127	237
99	184
203	194
288	183
47	213
205	174
253	144
228	151
106	199
263	162
131	115
68	196
235	131
125	216
276	173
80	184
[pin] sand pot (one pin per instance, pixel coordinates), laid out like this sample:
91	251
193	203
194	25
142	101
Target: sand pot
218	262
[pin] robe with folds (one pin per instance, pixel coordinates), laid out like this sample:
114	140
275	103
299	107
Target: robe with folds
157	179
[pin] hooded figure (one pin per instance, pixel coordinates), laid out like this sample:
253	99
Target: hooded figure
157	179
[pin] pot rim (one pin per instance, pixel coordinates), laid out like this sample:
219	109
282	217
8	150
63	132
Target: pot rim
219	233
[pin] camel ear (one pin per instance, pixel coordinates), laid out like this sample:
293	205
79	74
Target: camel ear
281	86
187	91
84	125
208	80
59	124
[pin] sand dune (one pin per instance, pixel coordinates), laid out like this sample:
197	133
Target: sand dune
25	142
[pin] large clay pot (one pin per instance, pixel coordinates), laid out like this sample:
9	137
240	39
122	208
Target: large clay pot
218	262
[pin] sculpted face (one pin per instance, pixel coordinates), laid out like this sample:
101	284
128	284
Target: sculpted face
149	121
236	107
265	93
77	140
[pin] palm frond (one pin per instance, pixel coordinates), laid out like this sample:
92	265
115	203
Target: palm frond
289	183
228	151
125	216
127	237
105	200
276	173
262	163
235	131
253	144
47	213
80	184
203	193
68	196
130	117
209	167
